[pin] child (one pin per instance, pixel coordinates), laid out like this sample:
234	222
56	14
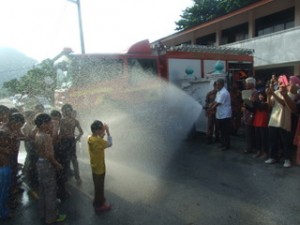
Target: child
5	173
46	166
260	123
96	145
56	117
4	114
68	124
13	127
29	169
60	177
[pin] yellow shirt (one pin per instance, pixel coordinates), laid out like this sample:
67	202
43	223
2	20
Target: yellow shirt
96	145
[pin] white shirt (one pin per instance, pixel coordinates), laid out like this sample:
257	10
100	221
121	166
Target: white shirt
224	109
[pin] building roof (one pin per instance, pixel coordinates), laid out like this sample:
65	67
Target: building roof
209	49
218	19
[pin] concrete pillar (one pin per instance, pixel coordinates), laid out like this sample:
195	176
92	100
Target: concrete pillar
193	39
251	25
297	13
297	69
218	36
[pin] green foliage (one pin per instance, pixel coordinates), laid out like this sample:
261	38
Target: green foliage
12	86
205	10
34	80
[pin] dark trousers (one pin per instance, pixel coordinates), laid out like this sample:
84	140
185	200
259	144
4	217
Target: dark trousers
279	137
262	139
68	147
99	198
61	175
224	125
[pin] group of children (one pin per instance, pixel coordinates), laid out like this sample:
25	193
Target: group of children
50	144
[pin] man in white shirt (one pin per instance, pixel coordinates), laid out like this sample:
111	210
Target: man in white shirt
222	104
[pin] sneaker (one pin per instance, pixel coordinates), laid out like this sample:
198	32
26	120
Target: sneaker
270	161
103	208
287	163
60	218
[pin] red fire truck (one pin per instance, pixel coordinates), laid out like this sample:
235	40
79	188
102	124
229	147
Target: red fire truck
86	80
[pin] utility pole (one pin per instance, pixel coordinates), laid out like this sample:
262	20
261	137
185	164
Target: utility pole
77	2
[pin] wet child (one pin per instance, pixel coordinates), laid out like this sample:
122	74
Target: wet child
68	125
4	114
96	146
13	127
5	167
62	194
46	166
5	173
29	168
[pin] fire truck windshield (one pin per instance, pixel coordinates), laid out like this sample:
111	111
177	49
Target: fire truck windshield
76	70
79	70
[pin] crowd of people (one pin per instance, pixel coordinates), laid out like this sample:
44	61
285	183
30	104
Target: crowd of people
269	116
50	144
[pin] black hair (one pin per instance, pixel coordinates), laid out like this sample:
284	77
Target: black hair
41	119
66	107
263	93
13	110
4	109
96	125
221	81
16	118
55	113
39	106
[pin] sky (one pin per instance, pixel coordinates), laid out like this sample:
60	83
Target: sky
42	28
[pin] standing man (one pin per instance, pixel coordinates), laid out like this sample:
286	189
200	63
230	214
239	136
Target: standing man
248	114
222	104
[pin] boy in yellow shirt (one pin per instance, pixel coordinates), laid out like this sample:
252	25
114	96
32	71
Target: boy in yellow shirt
96	145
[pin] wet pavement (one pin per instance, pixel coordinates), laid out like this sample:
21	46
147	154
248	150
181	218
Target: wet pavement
198	185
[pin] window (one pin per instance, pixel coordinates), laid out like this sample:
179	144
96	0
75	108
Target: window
275	22
233	34
209	40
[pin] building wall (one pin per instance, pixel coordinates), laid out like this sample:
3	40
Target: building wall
272	50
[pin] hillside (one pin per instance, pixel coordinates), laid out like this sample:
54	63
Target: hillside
13	64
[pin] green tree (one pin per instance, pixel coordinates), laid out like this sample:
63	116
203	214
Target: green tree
205	10
12	86
40	80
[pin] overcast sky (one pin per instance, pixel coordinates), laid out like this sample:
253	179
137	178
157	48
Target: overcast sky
42	28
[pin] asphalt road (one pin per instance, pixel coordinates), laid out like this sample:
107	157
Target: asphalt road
155	176
199	185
